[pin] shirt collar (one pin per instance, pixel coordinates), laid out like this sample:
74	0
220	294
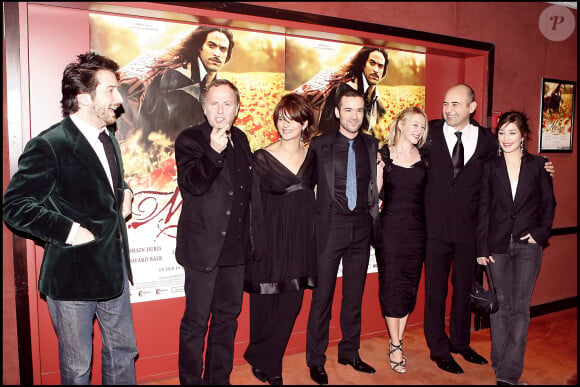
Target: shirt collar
202	70
90	132
342	138
469	130
366	87
365	84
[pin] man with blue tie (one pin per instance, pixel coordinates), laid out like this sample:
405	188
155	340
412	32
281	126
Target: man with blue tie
346	208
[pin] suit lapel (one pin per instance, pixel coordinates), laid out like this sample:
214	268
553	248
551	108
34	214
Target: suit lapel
328	157
439	144
503	177
85	153
523	182
239	139
195	76
372	158
119	187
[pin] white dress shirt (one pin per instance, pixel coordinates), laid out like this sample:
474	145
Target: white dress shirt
202	70
92	135
372	118
468	138
514	187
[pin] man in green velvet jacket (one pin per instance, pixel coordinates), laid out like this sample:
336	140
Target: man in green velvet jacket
69	192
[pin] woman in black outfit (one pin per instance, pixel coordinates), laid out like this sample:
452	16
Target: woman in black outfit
284	235
516	211
401	241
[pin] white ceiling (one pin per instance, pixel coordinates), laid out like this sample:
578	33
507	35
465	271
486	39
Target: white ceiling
569	4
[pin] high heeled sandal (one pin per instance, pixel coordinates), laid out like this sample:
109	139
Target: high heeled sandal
397	366
404	357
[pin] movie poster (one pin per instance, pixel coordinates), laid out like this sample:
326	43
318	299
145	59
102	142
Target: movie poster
557	115
263	66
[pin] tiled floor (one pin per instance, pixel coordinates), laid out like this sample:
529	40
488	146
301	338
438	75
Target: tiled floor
551	359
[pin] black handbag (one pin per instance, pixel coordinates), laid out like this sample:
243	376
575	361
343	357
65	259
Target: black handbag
483	302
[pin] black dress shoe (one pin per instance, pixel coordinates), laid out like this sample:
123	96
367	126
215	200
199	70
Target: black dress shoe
358	365
318	374
471	356
276	381
262	377
449	365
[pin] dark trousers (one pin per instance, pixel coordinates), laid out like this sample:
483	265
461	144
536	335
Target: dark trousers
349	238
440	256
218	293
272	318
514	275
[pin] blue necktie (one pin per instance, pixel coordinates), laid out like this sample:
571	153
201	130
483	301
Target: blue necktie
351	177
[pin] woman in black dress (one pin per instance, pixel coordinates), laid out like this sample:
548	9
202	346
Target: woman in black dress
401	241
284	236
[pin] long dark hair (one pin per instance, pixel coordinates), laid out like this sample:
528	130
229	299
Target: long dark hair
188	50
357	64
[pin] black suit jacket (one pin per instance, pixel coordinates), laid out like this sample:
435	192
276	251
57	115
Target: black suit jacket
531	211
204	181
452	204
60	180
323	146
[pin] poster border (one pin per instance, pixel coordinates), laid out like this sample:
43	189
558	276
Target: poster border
355	25
570	148
438	44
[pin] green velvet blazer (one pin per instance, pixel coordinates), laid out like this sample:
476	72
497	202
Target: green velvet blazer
60	180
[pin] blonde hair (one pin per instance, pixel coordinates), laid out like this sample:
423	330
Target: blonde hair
395	132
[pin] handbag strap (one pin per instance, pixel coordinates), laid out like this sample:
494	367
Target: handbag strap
489	279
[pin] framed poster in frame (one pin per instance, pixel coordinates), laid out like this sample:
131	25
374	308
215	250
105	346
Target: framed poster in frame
557	115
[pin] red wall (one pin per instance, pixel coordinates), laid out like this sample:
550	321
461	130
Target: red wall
10	367
512	27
